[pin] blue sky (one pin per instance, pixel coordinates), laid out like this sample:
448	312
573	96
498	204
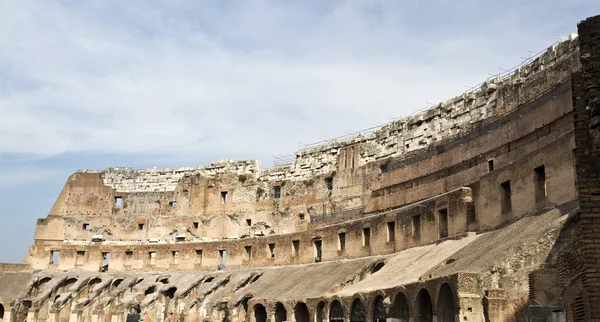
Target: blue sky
97	84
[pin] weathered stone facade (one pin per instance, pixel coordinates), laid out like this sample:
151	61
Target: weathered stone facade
482	208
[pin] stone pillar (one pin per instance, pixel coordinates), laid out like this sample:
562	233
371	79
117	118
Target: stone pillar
495	305
470	308
587	138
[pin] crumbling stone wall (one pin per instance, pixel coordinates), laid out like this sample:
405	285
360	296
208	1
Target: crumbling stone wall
587	124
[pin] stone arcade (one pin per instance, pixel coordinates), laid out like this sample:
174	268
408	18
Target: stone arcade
483	208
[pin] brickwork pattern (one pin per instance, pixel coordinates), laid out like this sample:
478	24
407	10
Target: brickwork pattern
587	136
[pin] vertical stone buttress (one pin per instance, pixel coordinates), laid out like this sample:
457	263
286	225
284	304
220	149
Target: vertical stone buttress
587	137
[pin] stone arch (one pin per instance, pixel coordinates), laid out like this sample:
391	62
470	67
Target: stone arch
379	312
116	283
1	311
260	313
301	313
446	308
423	307
280	312
400	308
336	311
357	311
320	313
41	284
90	286
244	302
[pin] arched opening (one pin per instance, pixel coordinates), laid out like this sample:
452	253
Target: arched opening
67	284
357	311
336	311
244	303
424	311
377	267
280	313
446	309
116	283
260	313
399	309
379	309
2	312
91	285
301	312
42	283
321	312
150	290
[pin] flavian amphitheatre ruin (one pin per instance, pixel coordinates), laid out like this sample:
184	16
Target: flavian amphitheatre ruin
485	207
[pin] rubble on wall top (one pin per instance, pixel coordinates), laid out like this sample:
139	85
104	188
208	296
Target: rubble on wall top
519	73
397	138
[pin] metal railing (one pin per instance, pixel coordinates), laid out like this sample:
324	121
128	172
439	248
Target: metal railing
499	77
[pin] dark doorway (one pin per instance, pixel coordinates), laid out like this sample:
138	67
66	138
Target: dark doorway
260	313
424	311
301	312
399	309
379	310
336	311
321	312
280	313
540	184
443	213
357	311
318	251
446	309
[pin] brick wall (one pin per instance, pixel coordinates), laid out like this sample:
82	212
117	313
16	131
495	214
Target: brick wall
587	136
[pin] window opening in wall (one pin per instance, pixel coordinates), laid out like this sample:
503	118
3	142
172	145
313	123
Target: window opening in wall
105	261
352	157
128	257
80	257
173	204
490	165
223	257
342	242
224	197
301	216
152	257
276	192
140	226
505	197
195	223
345	158
329	183
416	227
198	256
249	222
272	250
366	237
54	256
540	184
318	250
391	231
295	247
86	227
1	312
118	202
248	252
175	255
443	213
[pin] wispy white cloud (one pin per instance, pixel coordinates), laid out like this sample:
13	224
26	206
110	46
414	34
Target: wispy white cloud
243	77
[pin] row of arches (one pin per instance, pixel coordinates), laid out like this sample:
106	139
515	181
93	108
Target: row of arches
381	309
